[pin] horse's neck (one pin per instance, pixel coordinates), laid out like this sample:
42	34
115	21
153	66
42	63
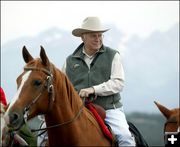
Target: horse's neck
66	95
66	106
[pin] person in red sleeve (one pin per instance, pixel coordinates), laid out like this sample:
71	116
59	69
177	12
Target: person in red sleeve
3	97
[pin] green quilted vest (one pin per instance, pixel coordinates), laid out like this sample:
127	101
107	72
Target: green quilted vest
100	71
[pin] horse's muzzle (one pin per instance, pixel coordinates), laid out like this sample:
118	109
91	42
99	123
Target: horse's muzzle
16	120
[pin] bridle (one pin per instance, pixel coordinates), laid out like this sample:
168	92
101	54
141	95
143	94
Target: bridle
50	89
48	85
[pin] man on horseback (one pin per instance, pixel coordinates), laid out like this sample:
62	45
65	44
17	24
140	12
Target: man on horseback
97	69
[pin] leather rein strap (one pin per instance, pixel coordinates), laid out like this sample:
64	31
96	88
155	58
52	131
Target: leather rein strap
64	123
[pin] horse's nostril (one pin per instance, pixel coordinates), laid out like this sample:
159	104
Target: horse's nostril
14	117
15	120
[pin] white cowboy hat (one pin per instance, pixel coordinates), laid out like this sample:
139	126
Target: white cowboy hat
90	24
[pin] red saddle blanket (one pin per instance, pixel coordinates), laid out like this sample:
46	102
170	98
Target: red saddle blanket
104	128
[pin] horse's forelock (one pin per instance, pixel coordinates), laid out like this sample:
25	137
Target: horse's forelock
35	62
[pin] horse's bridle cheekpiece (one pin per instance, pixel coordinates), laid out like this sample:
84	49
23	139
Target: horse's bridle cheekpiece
50	89
48	85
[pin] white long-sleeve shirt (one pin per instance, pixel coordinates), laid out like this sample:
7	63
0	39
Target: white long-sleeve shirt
116	82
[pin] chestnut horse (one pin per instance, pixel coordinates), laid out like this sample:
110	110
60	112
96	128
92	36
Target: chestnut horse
43	89
172	116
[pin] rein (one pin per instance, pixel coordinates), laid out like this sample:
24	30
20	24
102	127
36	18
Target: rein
64	123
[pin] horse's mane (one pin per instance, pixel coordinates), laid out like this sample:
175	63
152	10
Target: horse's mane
67	89
69	92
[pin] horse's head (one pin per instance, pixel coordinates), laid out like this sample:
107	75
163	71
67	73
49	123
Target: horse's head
172	118
34	90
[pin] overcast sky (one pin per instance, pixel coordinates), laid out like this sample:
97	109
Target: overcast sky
28	18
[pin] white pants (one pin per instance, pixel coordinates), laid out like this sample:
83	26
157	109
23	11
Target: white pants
116	119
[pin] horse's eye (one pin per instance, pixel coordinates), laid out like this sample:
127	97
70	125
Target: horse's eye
37	83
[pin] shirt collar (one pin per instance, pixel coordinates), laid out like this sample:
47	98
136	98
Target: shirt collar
84	52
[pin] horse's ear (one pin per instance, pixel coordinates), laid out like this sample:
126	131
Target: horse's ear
165	111
26	55
44	58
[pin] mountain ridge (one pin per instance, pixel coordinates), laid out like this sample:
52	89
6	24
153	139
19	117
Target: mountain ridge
151	64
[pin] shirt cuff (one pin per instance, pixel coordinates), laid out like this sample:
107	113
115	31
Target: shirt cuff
99	89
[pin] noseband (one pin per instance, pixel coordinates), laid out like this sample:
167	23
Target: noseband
48	85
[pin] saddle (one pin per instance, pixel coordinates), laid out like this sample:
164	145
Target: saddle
100	110
100	115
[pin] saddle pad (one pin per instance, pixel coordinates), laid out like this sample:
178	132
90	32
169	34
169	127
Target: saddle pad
104	128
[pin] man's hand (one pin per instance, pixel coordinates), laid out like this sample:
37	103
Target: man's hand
86	92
